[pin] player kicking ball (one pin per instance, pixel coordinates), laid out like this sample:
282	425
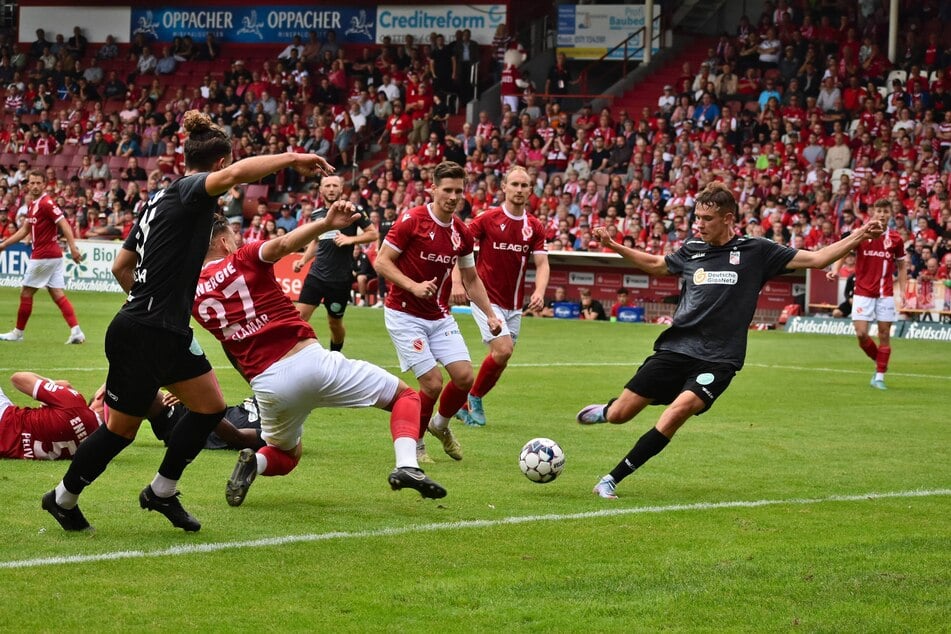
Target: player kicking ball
238	300
508	236
695	359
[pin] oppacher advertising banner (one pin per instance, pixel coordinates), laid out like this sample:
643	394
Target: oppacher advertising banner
256	24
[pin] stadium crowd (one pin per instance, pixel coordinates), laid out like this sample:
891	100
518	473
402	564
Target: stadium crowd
799	113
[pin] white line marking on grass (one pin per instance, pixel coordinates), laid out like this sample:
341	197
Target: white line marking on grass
191	549
582	364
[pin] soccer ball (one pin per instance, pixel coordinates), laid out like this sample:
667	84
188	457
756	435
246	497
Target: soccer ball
541	460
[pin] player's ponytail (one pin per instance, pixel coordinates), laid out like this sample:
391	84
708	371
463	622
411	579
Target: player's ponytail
206	144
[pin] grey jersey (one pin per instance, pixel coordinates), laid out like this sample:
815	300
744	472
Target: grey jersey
720	287
334	264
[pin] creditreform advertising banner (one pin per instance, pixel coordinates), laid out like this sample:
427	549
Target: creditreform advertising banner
256	24
588	31
419	21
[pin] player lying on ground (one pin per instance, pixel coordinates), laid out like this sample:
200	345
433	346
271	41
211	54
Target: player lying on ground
696	358
55	430
291	374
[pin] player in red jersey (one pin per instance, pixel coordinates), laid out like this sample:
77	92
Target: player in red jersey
876	264
239	301
416	259
46	267
508	236
50	432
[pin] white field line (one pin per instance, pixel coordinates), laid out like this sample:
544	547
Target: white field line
574	364
191	549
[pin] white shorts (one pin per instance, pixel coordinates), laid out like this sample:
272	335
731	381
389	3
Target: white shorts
49	273
873	309
511	322
422	343
291	388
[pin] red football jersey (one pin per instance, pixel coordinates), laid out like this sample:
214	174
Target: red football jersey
505	244
239	301
875	265
428	249
47	433
43	216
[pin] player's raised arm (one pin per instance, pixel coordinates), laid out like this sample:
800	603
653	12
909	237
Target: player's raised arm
340	214
650	264
829	254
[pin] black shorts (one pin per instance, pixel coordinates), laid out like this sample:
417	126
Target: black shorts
334	296
665	375
144	358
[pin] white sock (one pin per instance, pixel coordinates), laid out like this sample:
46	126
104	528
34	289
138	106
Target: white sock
439	421
64	498
262	462
163	487
879	376
405	449
17	331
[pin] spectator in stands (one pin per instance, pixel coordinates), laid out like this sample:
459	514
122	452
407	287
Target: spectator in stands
591	309
558	297
109	50
209	49
133	171
466	52
146	62
168	63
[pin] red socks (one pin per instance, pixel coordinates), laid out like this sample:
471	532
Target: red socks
451	400
404	419
881	359
426	405
869	348
23	313
489	374
279	462
67	309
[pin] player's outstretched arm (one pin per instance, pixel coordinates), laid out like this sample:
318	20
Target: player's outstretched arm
340	214
255	168
829	254
650	264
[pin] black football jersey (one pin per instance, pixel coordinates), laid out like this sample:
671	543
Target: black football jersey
720	287
170	240
334	264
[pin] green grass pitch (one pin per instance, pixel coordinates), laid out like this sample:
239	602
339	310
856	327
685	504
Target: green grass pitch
804	500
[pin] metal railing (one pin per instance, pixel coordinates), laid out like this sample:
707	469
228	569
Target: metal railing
628	53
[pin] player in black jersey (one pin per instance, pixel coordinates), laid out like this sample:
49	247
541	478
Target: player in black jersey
149	343
331	276
696	358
